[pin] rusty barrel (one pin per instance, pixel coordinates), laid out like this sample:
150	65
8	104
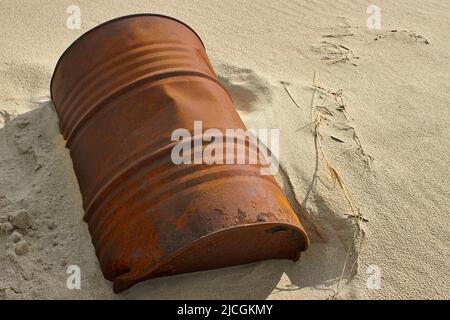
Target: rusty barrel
120	90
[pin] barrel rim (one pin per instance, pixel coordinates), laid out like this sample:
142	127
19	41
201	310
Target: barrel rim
130	16
132	277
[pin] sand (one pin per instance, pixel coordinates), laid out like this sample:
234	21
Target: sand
383	101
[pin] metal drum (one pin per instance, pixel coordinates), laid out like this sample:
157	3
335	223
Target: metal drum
120	91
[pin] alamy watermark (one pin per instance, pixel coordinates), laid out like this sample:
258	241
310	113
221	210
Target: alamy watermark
73	21
374	19
234	146
73	282
374	277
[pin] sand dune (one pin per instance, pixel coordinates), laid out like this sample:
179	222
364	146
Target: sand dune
382	99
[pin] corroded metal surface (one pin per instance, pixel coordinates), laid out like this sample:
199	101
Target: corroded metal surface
120	90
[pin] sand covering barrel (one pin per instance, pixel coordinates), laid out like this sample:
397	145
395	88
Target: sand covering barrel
120	90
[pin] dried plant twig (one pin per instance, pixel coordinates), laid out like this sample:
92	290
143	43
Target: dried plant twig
290	95
335	175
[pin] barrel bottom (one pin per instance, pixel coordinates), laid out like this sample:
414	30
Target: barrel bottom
230	247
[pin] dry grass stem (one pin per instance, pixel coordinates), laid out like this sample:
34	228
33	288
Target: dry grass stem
335	175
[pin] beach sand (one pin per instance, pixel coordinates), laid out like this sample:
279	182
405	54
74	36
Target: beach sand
379	105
